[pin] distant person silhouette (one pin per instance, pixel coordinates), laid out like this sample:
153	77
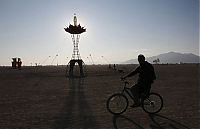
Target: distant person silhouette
114	66
146	78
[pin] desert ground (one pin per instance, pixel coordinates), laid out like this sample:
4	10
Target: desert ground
42	97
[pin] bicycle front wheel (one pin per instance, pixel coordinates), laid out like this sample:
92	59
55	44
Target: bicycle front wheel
152	104
117	104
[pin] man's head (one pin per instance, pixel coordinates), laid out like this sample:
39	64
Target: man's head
141	59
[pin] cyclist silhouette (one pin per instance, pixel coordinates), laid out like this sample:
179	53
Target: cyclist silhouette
146	78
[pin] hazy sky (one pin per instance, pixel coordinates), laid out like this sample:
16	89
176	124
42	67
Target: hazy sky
118	30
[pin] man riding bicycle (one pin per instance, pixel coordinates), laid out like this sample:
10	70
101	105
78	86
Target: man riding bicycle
146	78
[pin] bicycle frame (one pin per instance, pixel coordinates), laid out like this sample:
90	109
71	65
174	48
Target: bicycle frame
127	90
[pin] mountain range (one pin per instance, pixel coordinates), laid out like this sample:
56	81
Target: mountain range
170	58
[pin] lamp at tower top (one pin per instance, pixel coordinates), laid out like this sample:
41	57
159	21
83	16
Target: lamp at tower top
75	29
75	20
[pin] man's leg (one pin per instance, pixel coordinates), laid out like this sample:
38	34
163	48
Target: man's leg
135	93
144	92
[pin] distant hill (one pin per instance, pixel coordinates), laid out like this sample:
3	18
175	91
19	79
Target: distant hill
171	58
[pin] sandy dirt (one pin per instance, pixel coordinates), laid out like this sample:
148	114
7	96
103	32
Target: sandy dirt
42	97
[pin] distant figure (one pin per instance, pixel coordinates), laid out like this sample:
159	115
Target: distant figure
146	78
114	66
19	63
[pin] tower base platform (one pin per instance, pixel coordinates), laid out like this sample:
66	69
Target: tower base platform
72	68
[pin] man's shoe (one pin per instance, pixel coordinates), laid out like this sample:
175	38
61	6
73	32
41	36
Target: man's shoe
135	105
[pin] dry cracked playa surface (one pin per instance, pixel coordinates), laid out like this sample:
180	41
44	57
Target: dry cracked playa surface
42	97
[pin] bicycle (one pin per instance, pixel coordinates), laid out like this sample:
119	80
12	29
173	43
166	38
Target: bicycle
118	102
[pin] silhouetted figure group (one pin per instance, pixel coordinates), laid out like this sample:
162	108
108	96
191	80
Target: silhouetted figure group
16	63
114	66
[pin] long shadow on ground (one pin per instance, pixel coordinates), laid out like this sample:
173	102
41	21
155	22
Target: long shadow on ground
76	113
156	122
163	122
120	121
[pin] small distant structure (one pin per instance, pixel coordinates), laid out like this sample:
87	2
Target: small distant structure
16	63
156	61
75	31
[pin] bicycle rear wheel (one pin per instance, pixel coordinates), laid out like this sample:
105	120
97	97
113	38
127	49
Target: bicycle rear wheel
152	104
117	104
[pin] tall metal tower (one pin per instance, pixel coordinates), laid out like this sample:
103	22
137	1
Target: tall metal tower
75	31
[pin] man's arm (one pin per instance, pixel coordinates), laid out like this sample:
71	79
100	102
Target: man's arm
132	73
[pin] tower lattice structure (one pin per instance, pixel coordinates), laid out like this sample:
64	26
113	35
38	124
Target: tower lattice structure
75	39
